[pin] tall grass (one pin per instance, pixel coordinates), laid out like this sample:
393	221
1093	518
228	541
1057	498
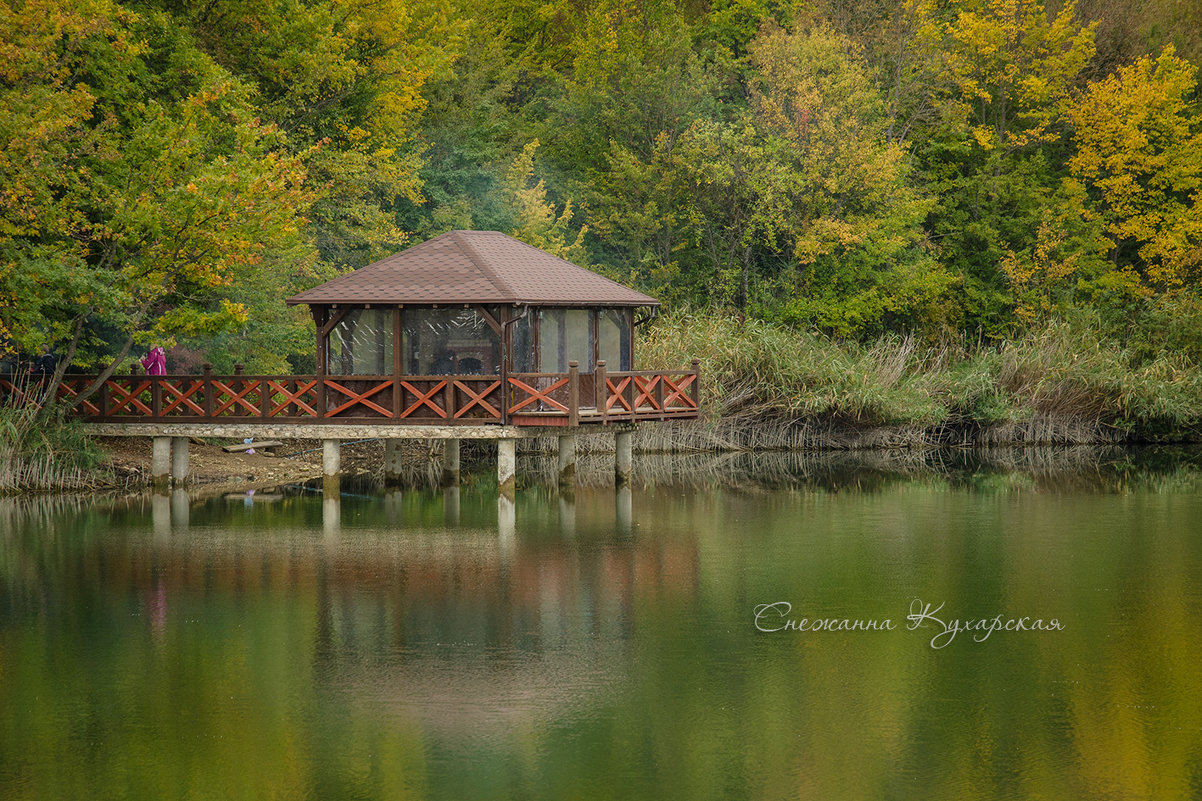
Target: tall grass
40	456
1067	382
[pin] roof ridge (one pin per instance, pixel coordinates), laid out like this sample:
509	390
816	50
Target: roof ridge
478	260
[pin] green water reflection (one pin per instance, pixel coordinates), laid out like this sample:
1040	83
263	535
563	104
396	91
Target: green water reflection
431	645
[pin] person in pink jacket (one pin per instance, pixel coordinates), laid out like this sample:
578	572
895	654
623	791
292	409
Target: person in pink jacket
155	362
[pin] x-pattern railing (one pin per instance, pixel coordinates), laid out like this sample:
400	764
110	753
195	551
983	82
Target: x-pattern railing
519	398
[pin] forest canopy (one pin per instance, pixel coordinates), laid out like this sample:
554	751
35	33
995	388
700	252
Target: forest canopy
951	171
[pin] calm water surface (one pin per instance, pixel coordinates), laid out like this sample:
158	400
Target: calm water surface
420	645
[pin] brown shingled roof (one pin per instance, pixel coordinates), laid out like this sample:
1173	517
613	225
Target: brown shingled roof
473	267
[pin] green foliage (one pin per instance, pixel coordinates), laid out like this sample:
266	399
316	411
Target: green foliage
895	173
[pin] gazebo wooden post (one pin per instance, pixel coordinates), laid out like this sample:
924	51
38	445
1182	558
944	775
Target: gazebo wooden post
207	371
600	389
320	313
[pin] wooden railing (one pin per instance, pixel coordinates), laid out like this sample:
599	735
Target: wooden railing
569	398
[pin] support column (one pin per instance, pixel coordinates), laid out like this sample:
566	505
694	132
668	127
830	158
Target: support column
160	462
450	462
331	465
392	462
179	459
506	466
567	461
623	457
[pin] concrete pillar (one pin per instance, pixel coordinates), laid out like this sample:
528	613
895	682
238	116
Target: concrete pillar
160	462
181	508
506	466
179	459
450	507
567	460
331	465
623	457
450	462
625	504
392	462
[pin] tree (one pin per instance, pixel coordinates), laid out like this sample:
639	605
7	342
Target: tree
1139	158
994	152
853	219
161	187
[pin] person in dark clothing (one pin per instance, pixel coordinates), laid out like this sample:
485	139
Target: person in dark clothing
445	364
44	366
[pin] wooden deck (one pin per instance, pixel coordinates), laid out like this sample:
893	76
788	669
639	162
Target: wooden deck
515	399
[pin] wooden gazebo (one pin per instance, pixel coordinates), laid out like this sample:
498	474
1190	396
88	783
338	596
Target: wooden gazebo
472	334
444	329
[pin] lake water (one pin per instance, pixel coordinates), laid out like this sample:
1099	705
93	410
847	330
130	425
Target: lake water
427	645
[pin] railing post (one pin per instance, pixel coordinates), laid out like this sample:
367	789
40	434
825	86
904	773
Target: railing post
104	399
265	397
207	371
659	394
156	397
695	390
573	393
600	389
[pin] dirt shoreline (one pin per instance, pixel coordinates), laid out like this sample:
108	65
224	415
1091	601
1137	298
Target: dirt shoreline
211	469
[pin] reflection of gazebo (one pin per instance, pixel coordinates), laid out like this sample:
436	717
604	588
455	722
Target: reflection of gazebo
472	303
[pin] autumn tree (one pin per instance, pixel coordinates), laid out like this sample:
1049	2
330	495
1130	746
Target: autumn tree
1139	159
158	187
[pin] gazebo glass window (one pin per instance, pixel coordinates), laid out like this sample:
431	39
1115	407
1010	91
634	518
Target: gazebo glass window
613	338
450	341
565	335
361	343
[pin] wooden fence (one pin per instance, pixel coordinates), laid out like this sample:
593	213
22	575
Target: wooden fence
569	398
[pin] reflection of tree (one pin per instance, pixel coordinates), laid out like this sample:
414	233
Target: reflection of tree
406	657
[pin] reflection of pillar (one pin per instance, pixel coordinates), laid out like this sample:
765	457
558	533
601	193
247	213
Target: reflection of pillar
450	462
393	510
567	515
160	461
392	462
623	457
180	508
567	460
160	513
331	465
506	466
625	509
450	506
179	459
331	514
506	520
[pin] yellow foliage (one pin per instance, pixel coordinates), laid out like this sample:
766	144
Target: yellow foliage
1010	66
1139	147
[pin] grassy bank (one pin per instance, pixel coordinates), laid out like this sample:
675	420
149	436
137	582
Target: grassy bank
770	386
40	456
